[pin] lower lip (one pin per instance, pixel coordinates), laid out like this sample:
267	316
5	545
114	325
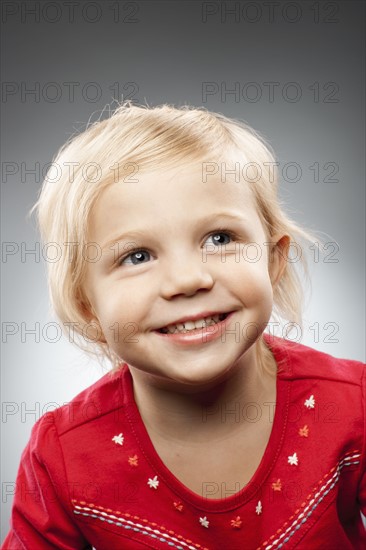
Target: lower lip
199	335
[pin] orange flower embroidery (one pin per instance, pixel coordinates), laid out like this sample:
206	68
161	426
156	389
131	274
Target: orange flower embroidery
133	460
277	485
304	431
178	506
236	523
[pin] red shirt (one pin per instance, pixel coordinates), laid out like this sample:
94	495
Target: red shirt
90	476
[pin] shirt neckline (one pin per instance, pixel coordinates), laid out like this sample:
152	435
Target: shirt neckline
270	455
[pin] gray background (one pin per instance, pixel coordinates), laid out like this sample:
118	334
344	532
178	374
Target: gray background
164	52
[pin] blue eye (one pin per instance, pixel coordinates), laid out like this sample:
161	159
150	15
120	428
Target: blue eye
217	237
137	255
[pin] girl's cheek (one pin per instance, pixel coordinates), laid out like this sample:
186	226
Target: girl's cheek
123	333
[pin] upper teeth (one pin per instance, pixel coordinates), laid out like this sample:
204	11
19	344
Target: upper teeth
192	325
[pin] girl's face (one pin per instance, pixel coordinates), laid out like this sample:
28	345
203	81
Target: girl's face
175	246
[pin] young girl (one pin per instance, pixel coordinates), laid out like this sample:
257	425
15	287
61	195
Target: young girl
208	433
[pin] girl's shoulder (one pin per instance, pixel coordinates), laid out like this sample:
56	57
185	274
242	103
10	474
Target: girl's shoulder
99	401
299	361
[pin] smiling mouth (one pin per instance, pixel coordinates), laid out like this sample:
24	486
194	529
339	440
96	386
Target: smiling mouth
189	326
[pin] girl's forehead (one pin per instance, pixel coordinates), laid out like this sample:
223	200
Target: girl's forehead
169	192
172	198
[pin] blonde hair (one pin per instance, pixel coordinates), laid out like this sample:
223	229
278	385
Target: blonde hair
152	138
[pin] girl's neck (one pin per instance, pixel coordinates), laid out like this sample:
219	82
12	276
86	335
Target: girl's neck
216	412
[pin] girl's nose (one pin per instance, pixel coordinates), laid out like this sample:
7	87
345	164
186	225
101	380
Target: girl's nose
185	278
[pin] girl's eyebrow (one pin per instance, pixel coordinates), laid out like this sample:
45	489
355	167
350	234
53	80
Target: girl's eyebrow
141	233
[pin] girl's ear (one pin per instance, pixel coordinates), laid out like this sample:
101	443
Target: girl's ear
278	258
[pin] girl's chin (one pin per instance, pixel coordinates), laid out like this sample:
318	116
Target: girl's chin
195	379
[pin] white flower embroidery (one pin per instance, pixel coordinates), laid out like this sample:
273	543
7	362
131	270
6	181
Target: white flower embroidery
310	403
118	439
258	509
204	522
153	483
293	460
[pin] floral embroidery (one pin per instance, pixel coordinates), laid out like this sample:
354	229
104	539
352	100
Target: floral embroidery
236	523
304	431
277	485
153	483
293	460
258	508
118	439
310	403
204	522
141	525
133	460
178	506
312	501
